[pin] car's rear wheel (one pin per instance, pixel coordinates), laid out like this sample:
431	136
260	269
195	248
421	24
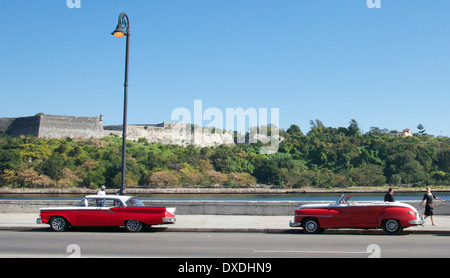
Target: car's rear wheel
133	226
59	224
311	226
392	227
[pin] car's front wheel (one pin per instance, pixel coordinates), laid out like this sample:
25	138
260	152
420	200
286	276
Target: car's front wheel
59	224
311	226
133	226
392	227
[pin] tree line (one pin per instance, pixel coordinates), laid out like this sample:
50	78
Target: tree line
324	157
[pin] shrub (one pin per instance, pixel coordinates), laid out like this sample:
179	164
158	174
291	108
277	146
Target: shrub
216	177
165	178
241	179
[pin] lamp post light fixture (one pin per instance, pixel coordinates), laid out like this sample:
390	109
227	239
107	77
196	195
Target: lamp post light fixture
123	29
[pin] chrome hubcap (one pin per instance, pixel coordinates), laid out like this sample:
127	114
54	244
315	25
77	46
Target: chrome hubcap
311	226
392	225
133	225
58	224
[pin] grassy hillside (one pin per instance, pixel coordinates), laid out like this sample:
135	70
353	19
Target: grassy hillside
325	157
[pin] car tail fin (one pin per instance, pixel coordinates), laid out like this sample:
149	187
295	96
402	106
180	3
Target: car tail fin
170	212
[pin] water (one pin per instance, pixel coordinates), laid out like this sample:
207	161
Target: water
300	197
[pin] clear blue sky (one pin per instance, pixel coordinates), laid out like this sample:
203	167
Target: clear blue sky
332	60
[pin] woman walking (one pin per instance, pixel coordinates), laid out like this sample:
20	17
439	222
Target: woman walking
429	205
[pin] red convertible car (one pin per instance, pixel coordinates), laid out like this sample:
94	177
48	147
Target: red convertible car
344	213
106	210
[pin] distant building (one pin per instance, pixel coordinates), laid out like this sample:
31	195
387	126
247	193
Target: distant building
405	133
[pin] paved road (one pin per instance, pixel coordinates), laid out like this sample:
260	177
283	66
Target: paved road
98	243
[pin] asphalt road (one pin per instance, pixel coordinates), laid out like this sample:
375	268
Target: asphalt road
84	244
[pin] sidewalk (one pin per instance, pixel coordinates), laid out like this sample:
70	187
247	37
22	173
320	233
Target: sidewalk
229	223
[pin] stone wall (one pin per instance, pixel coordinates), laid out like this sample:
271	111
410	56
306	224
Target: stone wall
50	126
21	126
67	126
53	126
173	133
197	207
5	123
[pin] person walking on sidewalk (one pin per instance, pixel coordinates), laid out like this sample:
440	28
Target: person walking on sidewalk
102	190
429	205
389	197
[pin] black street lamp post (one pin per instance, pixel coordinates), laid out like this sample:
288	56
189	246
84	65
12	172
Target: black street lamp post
123	29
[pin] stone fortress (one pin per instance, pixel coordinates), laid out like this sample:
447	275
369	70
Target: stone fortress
54	126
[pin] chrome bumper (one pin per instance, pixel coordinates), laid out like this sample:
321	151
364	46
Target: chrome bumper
419	220
294	224
38	221
169	220
416	222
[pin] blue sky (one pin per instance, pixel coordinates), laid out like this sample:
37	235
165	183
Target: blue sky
332	60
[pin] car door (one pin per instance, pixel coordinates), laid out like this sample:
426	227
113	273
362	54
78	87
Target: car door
343	216
113	214
363	215
352	215
91	214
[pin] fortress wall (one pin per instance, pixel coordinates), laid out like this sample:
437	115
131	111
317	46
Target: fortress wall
5	123
51	126
178	135
172	133
68	126
22	126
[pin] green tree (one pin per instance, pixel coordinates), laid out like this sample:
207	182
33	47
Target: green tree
395	180
294	130
421	129
53	167
353	128
368	175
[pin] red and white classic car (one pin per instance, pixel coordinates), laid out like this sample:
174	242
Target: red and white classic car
106	210
344	213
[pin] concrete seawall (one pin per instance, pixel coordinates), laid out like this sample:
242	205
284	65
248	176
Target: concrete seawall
262	208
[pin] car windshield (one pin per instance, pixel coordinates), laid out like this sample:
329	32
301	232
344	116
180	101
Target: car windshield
133	202
82	203
343	199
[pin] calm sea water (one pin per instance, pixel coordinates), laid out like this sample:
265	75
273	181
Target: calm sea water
242	197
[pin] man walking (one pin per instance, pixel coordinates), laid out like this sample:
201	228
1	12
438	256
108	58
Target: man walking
389	197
